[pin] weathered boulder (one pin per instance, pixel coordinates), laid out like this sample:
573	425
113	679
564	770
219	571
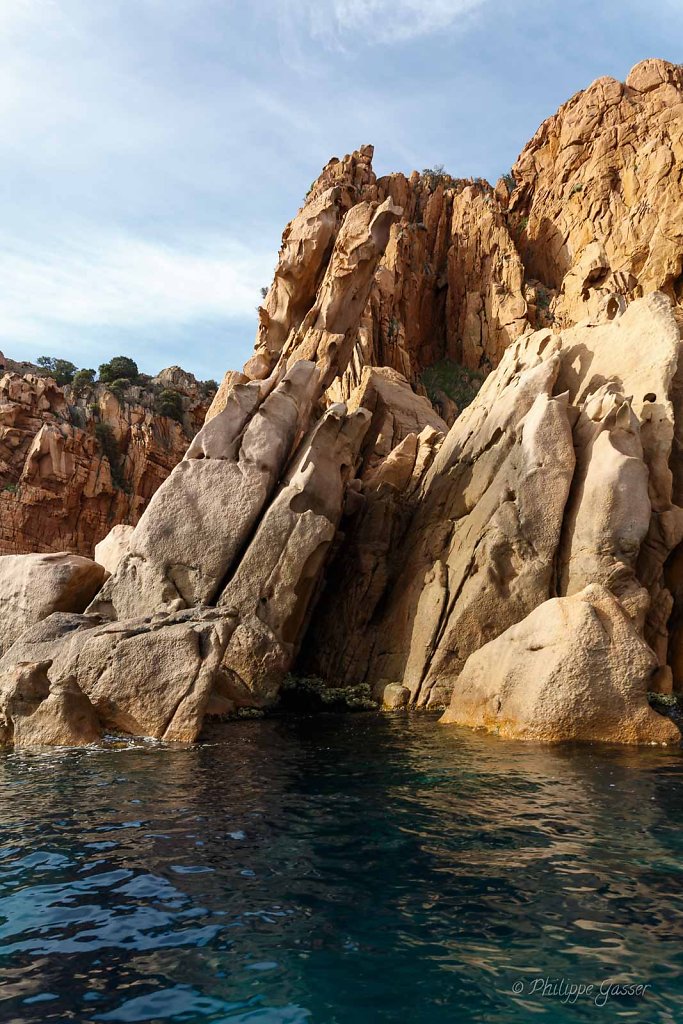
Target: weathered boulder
638	351
112	548
36	712
608	511
480	552
34	586
574	669
147	677
395	697
220	399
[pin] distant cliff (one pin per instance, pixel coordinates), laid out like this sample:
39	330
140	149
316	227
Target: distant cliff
75	461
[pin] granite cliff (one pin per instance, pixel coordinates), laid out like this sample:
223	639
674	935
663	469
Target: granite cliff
516	560
76	461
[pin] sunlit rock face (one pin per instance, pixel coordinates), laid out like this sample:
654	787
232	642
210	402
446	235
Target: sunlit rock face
512	554
574	669
597	202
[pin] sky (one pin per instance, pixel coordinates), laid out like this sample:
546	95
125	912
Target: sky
152	151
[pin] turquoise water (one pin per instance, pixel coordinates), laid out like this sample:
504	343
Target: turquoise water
341	870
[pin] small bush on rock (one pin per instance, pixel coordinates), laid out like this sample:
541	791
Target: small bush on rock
456	381
434	176
169	403
118	368
61	369
83	379
107	442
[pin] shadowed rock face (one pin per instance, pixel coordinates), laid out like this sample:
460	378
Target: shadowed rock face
35	712
522	567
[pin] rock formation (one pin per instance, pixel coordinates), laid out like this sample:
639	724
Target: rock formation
519	562
74	463
37	712
537	680
597	203
34	586
110	550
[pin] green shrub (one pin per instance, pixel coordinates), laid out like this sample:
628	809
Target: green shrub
456	381
169	403
509	180
310	693
434	176
666	700
542	297
11	488
208	387
83	379
118	368
61	369
110	448
119	387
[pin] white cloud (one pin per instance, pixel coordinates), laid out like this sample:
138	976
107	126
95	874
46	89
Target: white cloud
337	23
125	282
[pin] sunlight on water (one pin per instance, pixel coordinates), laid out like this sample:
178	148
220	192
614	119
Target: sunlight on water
340	869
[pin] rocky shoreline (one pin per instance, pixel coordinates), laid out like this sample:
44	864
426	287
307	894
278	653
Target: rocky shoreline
516	561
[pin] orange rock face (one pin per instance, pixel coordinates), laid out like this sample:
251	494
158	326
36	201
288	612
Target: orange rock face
72	467
591	217
598	205
449	284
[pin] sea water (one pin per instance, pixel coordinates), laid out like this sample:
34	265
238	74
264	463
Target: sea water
342	869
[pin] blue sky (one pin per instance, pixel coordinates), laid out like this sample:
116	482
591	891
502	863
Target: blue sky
153	150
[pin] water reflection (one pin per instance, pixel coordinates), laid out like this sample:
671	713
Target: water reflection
338	869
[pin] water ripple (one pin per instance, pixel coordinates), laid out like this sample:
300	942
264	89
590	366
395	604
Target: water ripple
339	870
